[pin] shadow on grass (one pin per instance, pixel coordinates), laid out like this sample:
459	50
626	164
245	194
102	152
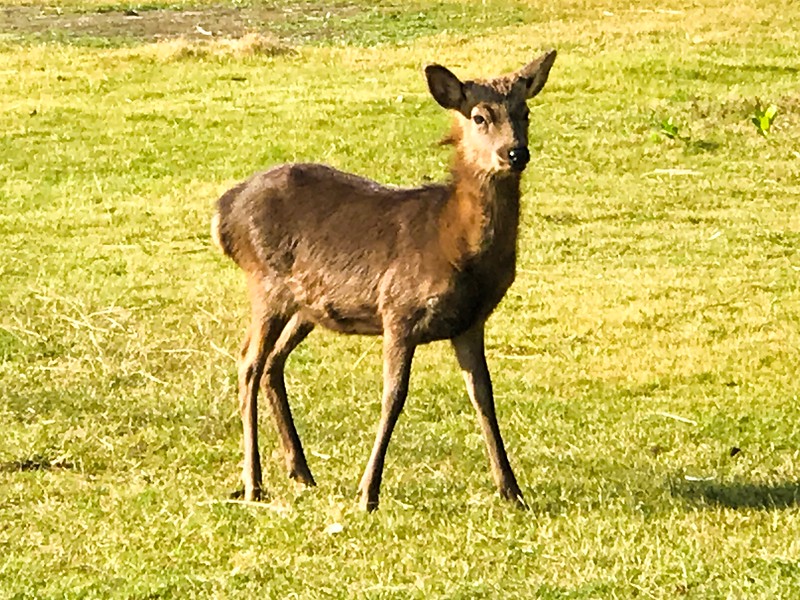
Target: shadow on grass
741	494
698	146
756	68
37	463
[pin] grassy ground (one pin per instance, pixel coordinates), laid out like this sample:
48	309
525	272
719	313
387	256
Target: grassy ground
653	330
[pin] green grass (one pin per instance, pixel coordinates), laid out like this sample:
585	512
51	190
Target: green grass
657	278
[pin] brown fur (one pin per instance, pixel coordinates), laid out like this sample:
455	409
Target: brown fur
323	247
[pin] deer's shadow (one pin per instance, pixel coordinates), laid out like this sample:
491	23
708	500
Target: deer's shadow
760	496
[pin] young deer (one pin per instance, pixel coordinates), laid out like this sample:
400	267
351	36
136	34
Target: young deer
323	247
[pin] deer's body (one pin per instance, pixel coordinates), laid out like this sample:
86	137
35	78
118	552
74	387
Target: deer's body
347	253
323	247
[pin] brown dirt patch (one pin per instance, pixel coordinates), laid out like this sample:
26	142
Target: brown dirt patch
161	24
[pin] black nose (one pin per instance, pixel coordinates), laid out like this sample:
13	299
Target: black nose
519	157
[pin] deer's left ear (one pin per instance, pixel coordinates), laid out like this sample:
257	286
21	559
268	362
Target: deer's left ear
535	74
446	88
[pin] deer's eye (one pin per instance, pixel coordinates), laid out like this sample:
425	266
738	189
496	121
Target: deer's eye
479	120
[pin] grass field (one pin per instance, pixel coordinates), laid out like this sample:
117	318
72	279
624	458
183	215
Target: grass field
646	361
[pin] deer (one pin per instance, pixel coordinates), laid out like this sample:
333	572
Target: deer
319	246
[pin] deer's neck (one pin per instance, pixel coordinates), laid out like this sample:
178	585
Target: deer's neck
481	216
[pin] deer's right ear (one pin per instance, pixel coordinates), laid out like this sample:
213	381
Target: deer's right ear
445	87
535	74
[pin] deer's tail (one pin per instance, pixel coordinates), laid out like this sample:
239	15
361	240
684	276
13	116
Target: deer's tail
220	222
216	235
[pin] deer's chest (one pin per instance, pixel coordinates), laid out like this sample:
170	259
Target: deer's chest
470	298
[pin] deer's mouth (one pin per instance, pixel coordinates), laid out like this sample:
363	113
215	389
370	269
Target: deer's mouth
505	167
512	161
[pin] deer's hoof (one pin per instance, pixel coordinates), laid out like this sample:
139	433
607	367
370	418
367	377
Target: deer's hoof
368	504
514	495
303	477
251	495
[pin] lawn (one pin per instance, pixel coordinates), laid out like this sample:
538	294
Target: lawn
646	361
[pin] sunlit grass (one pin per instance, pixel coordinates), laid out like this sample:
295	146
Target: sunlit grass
654	327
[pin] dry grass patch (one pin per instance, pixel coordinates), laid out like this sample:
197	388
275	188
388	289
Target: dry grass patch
249	45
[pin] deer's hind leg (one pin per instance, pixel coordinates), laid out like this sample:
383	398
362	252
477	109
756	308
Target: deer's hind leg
294	332
266	325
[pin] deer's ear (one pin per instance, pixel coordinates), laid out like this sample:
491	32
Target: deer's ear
445	87
535	73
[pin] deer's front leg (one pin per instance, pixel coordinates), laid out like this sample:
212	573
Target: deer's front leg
397	355
472	360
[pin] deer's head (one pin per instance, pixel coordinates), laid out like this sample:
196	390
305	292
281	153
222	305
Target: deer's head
491	116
